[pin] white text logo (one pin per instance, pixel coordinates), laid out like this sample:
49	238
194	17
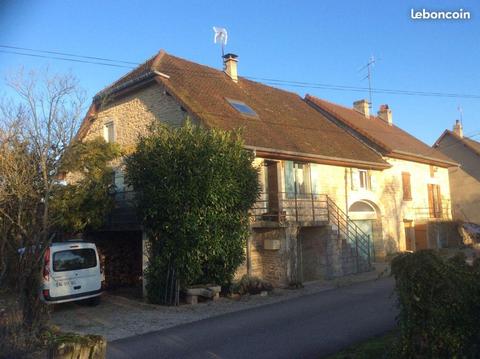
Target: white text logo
440	15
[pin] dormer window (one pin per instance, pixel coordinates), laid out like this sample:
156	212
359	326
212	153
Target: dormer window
242	107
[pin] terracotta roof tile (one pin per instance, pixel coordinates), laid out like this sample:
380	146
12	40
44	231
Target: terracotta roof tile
284	122
392	139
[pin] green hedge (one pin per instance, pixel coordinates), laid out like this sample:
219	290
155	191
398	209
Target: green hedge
439	302
194	189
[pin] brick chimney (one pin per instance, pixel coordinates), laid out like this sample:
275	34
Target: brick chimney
230	66
363	107
458	129
385	114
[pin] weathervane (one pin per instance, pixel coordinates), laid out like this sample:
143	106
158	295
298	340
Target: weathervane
220	37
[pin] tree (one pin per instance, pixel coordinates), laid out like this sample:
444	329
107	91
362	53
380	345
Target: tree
194	189
83	204
36	127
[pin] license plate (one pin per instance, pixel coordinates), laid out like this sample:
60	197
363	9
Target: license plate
66	283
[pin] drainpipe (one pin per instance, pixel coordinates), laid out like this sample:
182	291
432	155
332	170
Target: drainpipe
249	264
346	191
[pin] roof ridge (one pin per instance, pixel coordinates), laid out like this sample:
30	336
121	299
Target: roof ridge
118	81
326	105
349	123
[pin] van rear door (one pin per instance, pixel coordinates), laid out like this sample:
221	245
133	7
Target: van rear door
75	270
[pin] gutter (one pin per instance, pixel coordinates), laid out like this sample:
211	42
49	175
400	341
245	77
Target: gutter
408	155
287	155
135	81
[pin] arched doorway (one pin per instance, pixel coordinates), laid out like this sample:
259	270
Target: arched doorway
365	216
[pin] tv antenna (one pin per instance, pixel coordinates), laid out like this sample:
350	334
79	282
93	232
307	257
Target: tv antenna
460	110
369	66
220	37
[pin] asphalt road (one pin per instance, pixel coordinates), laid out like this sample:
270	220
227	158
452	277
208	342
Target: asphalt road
307	327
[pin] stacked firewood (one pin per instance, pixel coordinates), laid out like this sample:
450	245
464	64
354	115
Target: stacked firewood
122	262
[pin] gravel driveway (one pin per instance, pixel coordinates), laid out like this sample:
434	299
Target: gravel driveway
118	317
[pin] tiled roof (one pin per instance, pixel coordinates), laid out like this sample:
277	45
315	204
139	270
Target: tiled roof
285	123
394	141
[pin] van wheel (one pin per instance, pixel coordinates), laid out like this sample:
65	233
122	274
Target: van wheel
93	301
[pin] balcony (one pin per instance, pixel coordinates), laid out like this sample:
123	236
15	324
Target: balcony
270	210
441	211
279	208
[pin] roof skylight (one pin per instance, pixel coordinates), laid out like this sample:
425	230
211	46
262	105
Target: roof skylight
242	107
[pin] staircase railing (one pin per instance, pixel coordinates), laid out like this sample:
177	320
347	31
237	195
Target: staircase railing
357	238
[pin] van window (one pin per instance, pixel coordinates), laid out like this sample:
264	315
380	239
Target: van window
74	259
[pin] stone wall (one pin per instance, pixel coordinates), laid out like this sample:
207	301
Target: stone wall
269	264
131	115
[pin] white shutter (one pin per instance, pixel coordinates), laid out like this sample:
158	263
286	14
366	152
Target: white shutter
355	179
373	180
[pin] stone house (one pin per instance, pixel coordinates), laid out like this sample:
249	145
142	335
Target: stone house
333	199
465	179
412	197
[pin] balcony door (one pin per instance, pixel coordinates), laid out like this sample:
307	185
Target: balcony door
434	201
272	185
297	179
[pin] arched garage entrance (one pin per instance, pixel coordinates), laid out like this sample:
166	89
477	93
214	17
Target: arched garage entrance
366	216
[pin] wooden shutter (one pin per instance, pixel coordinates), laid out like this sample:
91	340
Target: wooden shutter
438	200
431	201
434	201
407	186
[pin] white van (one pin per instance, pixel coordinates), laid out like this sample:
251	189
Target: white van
72	271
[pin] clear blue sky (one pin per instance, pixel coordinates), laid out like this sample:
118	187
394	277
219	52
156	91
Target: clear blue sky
311	41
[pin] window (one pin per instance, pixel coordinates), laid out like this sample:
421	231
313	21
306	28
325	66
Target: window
433	169
297	179
74	259
407	186
361	179
364	179
109	132
242	107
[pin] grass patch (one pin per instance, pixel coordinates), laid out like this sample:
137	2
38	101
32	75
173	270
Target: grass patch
374	348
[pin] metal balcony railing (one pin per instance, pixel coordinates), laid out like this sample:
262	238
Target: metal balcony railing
440	211
281	208
284	207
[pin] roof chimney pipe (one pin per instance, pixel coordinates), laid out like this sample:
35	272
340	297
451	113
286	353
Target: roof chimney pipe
458	129
385	114
230	66
363	107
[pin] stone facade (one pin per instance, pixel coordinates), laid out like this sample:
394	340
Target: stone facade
384	194
305	254
308	251
131	115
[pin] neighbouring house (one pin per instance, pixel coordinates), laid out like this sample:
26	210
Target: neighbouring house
315	171
465	179
411	201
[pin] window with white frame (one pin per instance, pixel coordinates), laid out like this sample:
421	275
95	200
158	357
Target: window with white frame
362	180
109	132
